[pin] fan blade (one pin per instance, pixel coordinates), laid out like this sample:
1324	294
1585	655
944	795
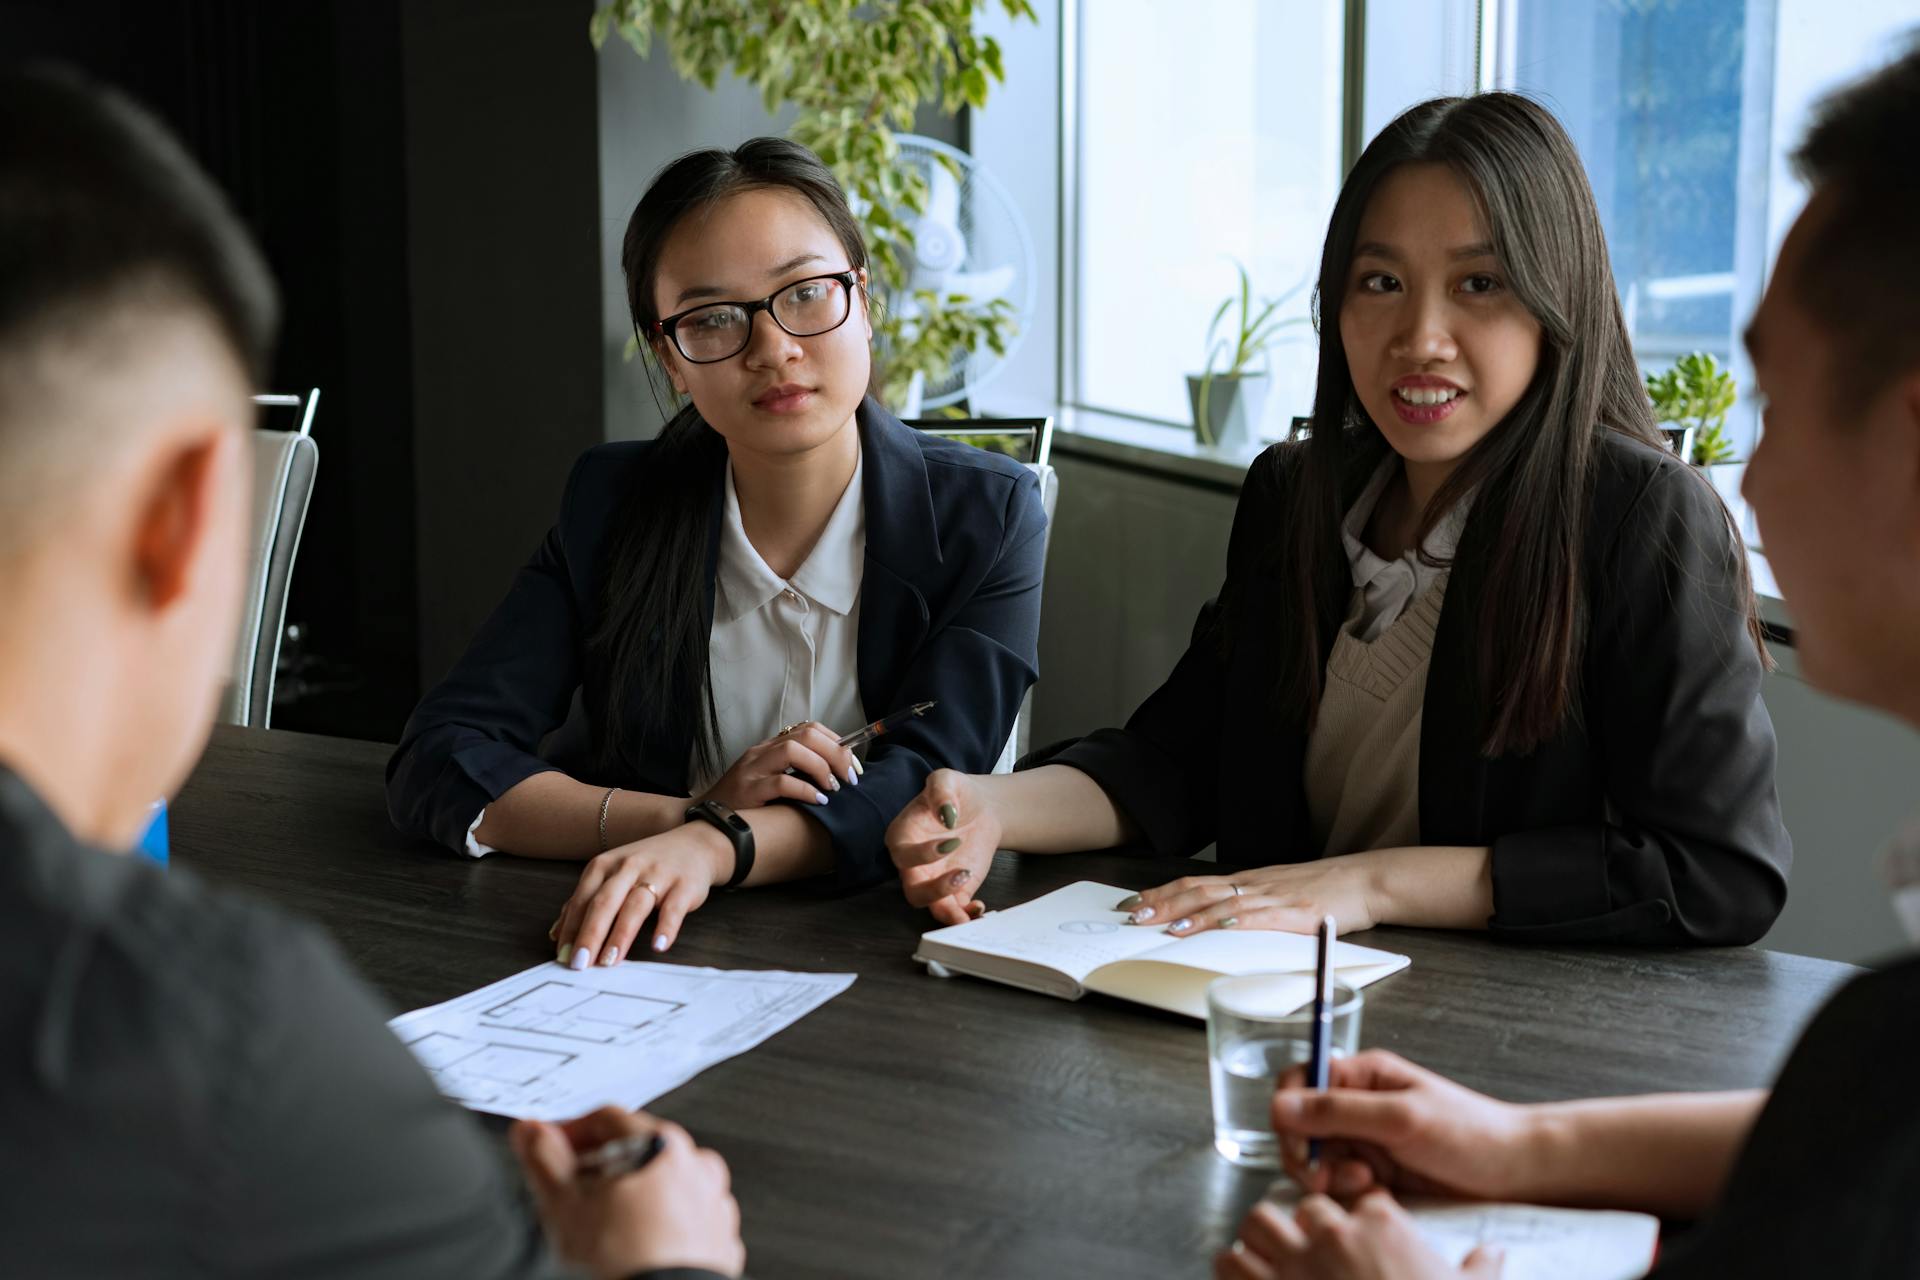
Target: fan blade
981	286
943	195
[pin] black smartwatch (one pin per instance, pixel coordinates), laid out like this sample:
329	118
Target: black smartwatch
734	828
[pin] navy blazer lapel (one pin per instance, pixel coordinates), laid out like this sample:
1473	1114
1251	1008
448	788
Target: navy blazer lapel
903	545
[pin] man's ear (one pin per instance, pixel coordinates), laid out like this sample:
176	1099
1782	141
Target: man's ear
176	516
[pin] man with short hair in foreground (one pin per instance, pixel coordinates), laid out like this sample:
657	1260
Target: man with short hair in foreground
190	1084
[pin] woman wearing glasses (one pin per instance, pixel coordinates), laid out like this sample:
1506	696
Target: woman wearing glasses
783	564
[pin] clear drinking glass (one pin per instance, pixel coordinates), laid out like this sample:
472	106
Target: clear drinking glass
1257	1028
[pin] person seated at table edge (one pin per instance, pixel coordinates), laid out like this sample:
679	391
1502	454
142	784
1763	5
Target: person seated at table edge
785	551
1487	654
191	1084
1822	1177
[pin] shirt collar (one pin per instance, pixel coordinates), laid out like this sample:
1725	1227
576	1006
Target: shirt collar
830	575
1441	540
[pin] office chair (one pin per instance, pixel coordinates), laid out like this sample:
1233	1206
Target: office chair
284	463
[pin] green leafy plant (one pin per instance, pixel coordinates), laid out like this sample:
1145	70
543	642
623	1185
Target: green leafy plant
856	71
1253	333
1696	392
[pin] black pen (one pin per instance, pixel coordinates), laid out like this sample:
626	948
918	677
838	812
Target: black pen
1322	1044
622	1156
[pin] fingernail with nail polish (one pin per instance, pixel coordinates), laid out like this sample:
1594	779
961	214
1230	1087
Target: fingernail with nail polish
1141	916
949	816
1128	903
948	846
659	943
562	952
960	877
853	776
1229	922
819	797
1180	926
580	958
833	783
612	956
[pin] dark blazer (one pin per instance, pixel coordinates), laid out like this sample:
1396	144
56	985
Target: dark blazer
949	612
1651	817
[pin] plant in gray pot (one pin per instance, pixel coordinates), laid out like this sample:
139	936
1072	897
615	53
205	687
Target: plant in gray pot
1691	400
1228	398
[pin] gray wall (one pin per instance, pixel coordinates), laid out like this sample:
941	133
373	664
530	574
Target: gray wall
503	213
1133	555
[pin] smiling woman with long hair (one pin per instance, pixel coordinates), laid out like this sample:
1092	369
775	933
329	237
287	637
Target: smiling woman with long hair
1486	655
783	564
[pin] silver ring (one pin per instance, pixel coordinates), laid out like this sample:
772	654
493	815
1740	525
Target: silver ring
1235	888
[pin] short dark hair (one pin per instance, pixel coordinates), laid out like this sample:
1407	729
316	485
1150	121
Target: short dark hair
100	206
1859	276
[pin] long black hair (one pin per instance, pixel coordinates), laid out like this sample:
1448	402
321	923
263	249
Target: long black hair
646	662
1534	470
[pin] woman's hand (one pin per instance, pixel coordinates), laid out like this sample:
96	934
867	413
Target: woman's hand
1291	897
668	874
943	842
1384	1122
1319	1239
676	1212
759	776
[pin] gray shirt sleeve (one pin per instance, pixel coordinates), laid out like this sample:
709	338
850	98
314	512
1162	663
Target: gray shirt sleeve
336	1155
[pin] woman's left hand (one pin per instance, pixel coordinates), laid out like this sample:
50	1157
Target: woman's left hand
669	874
1319	1239
1291	897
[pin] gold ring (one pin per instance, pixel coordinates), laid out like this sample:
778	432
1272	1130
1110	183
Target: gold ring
790	728
650	889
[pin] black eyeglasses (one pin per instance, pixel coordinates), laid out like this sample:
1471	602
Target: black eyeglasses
719	331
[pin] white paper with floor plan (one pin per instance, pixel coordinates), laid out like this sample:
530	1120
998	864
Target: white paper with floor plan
552	1043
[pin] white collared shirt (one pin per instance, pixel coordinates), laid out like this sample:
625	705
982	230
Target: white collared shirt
781	650
1387	587
786	650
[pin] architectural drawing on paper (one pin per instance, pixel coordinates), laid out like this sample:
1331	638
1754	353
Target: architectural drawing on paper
571	1012
477	1073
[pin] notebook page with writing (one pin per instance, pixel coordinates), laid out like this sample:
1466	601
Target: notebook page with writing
1542	1243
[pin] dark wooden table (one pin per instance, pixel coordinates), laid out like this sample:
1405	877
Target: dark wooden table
918	1127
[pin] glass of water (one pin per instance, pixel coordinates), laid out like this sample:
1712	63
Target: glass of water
1257	1028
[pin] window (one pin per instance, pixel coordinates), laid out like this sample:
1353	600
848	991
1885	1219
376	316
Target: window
1204	133
1207	133
1686	116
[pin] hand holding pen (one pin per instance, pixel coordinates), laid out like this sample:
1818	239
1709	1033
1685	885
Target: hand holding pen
619	1192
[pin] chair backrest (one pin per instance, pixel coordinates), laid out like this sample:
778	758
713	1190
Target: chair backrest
284	463
1030	440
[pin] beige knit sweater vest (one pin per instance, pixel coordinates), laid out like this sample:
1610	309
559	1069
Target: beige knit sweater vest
1363	756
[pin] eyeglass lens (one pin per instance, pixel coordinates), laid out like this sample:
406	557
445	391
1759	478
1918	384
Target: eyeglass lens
803	309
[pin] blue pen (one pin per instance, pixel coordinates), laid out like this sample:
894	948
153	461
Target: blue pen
1322	1048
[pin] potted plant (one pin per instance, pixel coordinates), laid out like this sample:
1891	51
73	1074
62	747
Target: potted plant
1691	400
1228	398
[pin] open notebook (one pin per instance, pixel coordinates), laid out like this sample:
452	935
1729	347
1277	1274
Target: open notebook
1541	1243
1072	941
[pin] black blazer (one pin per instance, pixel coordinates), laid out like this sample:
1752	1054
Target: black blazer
1651	817
949	612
